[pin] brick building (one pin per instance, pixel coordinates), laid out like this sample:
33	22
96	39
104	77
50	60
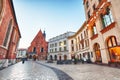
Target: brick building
39	46
9	30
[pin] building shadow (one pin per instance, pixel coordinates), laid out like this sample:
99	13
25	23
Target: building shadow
60	74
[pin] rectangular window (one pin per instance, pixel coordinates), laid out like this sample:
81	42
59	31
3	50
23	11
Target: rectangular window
7	34
55	44
42	50
88	14
60	43
94	7
64	42
94	30
34	49
55	49
72	42
65	49
72	48
107	19
81	36
87	4
60	49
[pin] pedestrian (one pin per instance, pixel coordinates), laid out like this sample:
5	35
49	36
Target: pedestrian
23	60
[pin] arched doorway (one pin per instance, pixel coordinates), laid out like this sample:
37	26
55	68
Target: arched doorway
55	57
80	56
59	57
65	57
72	56
51	58
97	52
113	48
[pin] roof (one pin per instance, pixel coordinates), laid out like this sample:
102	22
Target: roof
13	10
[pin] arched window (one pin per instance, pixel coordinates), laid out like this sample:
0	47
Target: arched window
55	57
65	57
1	7
113	48
7	34
97	52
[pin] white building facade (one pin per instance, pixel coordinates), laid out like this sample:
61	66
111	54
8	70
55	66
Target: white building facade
58	47
79	44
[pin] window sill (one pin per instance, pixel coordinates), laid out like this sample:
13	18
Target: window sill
94	36
107	28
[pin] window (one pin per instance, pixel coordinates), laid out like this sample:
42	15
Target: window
81	36
60	43
87	4
42	49
94	7
112	42
55	44
88	14
7	34
91	54
82	45
1	7
84	34
72	42
34	49
99	1
64	42
94	30
65	49
72	48
86	43
107	19
60	49
55	49
113	48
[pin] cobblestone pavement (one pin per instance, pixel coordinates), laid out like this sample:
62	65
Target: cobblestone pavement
32	70
40	70
88	71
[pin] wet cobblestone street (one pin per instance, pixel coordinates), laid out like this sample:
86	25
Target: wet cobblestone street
40	70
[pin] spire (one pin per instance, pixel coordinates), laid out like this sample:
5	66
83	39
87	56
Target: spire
44	34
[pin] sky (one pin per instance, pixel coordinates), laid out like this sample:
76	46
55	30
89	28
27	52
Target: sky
54	16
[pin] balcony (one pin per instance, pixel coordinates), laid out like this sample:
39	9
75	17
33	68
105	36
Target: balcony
112	25
94	36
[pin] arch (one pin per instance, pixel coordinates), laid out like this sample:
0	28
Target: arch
97	52
51	58
60	57
65	57
8	33
113	48
1	8
80	56
55	57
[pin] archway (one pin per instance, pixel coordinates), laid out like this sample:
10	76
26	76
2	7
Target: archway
80	56
59	57
97	52
113	49
55	57
65	57
51	58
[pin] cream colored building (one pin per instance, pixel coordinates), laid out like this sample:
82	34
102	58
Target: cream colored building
103	22
79	44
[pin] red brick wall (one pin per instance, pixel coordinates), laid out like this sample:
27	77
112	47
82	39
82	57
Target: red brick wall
7	15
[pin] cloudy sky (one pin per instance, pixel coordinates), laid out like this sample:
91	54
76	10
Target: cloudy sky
54	16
